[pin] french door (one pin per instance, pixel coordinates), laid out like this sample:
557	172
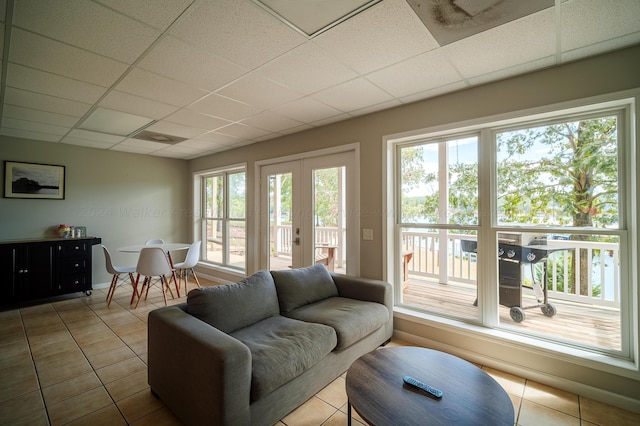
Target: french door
304	213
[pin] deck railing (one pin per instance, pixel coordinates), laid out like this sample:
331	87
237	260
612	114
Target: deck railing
603	286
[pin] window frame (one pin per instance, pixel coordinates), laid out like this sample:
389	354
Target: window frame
200	225
488	322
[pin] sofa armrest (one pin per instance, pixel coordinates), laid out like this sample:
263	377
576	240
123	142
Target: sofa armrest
366	289
202	374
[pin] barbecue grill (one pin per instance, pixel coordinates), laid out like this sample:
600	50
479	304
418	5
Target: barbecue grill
513	256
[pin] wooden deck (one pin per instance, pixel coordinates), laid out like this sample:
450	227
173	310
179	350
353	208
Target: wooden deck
574	322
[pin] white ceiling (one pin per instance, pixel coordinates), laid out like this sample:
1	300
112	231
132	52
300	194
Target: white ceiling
226	73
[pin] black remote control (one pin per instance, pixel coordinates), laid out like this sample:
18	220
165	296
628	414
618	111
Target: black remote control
417	383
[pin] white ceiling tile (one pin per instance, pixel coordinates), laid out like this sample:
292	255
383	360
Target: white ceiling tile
171	152
513	71
34	80
307	69
194	119
197	67
375	108
44	102
588	22
96	136
215	138
158	88
199	144
254	90
382	35
87	143
238	31
307	110
502	47
414	75
271	121
332	120
157	13
352	95
38	116
132	104
242	131
32	126
458	85
58	58
138	145
174	129
87	25
224	107
18	133
296	129
602	47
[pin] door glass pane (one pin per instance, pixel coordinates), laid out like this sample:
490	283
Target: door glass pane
329	222
437	265
280	220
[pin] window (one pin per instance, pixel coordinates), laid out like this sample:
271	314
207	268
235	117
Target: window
223	218
520	225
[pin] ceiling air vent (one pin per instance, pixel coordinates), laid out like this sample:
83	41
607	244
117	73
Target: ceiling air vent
452	20
146	135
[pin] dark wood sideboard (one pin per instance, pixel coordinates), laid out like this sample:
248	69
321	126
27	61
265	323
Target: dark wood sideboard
42	268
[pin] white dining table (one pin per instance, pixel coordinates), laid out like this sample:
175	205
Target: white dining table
167	247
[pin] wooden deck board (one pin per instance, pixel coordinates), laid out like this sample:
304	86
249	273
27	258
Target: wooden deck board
574	322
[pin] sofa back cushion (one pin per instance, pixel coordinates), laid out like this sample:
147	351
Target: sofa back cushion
230	307
301	286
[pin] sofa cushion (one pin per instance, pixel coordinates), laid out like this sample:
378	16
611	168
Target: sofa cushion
301	286
351	319
230	307
283	348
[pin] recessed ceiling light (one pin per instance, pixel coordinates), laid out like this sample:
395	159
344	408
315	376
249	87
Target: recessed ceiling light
112	122
312	17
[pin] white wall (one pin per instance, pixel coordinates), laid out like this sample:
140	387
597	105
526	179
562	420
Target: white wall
120	197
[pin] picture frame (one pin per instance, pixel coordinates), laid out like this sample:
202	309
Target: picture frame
34	180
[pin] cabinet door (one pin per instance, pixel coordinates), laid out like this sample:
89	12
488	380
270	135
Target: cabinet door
8	283
37	259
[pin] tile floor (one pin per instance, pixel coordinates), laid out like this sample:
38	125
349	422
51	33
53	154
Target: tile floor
79	362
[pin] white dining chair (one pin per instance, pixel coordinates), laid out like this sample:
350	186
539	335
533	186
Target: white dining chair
155	241
153	263
188	265
116	271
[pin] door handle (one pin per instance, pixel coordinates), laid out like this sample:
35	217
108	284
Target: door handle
297	241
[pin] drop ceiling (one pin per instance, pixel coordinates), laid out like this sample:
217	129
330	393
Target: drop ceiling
215	75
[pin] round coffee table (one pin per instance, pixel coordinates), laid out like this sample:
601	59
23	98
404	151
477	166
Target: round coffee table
470	396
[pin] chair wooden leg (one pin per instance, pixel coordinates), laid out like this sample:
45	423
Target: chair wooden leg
164	292
141	289
112	289
135	290
195	277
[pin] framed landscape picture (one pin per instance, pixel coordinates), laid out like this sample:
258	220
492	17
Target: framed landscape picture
30	180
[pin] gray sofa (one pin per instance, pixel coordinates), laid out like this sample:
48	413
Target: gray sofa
249	353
